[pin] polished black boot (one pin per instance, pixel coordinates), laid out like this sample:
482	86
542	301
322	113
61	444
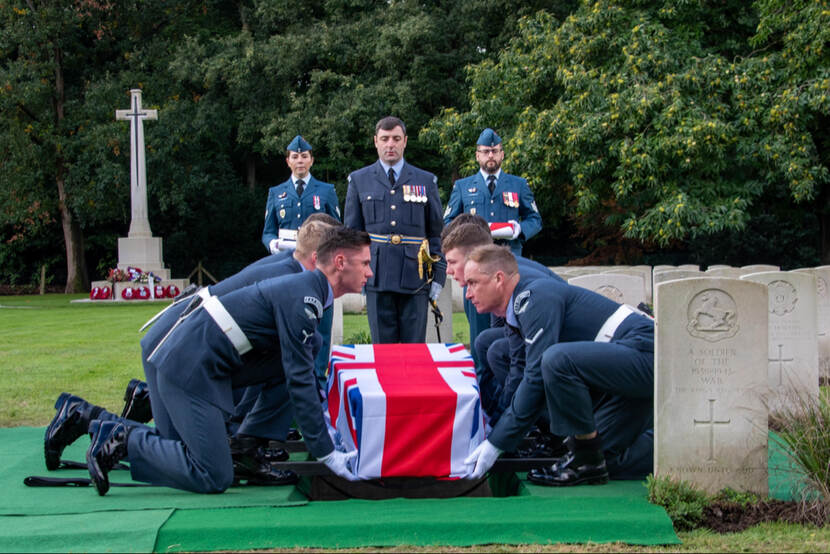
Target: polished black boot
266	450
71	421
137	402
257	472
108	447
582	466
293	435
546	445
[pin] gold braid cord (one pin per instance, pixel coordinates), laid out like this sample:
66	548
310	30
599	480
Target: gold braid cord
425	259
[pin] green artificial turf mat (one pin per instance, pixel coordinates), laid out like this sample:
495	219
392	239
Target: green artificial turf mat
92	532
566	518
22	455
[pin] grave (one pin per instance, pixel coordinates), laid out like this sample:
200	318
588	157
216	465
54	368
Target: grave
822	275
673	274
710	376
621	288
793	345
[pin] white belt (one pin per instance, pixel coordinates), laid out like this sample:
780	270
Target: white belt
226	323
608	328
204	292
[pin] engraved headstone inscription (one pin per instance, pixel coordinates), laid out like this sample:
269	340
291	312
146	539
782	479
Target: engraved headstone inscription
710	425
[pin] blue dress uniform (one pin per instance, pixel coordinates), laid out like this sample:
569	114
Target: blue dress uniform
590	361
251	335
286	210
501	350
397	219
270	423
511	199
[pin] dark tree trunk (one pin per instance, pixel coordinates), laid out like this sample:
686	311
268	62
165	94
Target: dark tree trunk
77	278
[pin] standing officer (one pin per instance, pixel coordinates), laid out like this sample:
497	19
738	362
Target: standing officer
496	196
290	203
590	362
398	204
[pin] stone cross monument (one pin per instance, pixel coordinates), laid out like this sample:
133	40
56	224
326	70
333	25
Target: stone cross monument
140	248
139	225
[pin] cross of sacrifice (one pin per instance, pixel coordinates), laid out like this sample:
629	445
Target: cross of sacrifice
139	224
780	359
711	422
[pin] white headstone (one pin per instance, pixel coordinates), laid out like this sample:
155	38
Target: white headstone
643	271
337	322
822	275
625	289
793	347
710	418
673	274
727	272
758	268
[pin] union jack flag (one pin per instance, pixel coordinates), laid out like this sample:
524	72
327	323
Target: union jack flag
410	410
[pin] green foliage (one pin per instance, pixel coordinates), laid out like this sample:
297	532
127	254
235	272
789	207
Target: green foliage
683	502
655	119
732	496
803	432
361	337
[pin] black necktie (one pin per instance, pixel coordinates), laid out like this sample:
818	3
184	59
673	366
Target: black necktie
391	177
300	185
491	183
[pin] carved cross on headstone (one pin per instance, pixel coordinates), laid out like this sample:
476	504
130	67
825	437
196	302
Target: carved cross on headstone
139	223
780	359
711	422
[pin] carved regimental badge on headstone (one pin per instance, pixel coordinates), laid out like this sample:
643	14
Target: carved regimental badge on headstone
712	316
782	297
710	421
611	292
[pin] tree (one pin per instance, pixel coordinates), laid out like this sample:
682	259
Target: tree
653	121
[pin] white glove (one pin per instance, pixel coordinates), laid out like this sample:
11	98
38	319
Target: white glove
340	463
285	244
435	291
273	246
517	228
484	456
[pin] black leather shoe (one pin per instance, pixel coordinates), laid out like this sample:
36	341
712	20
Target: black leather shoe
70	423
137	402
545	446
108	447
257	472
293	435
263	449
581	468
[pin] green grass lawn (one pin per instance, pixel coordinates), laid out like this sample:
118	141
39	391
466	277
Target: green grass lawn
49	345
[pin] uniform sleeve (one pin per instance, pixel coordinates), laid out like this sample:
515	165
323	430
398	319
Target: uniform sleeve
333	204
516	346
454	206
528	213
296	330
352	213
541	323
435	224
271	228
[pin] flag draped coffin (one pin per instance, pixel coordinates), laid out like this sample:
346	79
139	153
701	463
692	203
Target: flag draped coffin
410	410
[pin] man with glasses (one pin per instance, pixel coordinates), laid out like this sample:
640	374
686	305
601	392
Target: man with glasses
496	196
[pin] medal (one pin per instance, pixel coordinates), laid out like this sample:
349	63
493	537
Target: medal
316	202
406	196
282	214
472	211
282	195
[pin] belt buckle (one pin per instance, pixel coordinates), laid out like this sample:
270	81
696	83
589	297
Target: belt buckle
395	239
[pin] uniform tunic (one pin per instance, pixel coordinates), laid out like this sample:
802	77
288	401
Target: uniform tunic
374	206
285	210
584	384
197	367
